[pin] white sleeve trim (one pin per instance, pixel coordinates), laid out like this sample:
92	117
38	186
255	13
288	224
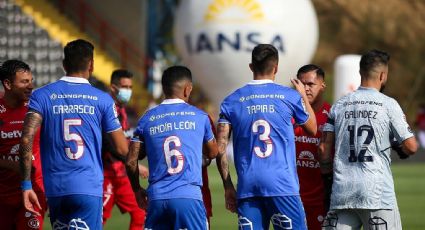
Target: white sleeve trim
114	130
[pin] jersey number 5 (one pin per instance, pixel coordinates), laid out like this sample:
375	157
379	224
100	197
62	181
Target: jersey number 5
68	136
169	153
264	137
370	134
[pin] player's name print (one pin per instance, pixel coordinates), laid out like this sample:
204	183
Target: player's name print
167	127
81	109
369	114
252	109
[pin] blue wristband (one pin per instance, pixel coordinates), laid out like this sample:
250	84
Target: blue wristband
26	185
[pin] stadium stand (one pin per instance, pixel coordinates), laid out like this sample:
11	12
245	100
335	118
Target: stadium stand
21	38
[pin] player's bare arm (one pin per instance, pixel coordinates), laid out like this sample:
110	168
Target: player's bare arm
211	149
325	152
310	126
132	165
325	160
132	168
108	144
31	123
120	142
223	134
409	146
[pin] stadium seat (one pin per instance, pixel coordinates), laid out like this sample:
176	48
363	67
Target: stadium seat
20	38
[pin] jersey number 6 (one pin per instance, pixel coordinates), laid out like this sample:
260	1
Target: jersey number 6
169	153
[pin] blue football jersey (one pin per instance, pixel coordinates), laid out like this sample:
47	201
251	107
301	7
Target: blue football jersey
74	116
173	134
260	115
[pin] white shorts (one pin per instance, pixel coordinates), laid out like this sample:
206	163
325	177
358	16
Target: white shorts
370	219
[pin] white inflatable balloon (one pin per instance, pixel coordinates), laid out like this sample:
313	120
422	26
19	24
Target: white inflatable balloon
215	39
347	76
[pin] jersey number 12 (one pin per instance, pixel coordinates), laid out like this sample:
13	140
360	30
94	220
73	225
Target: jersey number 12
370	134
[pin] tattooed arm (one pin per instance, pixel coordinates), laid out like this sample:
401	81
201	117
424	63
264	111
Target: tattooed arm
223	134
31	124
136	151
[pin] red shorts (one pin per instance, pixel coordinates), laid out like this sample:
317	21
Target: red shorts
315	215
13	215
117	190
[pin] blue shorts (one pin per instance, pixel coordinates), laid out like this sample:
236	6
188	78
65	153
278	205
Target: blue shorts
284	212
176	214
75	212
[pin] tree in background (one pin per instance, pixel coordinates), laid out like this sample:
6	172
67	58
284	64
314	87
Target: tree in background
396	26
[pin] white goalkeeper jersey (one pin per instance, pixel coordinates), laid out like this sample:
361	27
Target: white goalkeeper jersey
363	122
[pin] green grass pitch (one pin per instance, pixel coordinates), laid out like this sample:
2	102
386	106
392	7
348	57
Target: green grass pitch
409	183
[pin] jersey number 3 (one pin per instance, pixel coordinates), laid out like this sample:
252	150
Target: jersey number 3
264	137
370	134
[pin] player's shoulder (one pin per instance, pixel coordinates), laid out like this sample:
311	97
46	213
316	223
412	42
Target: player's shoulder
148	112
45	88
234	95
388	100
197	110
100	93
344	99
290	92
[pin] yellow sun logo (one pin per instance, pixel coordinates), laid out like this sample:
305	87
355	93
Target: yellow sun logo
234	10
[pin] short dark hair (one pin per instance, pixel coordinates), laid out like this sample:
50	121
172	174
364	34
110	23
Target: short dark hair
172	75
77	55
264	58
118	74
9	68
371	60
311	67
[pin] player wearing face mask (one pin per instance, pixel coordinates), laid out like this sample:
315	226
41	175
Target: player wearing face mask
116	187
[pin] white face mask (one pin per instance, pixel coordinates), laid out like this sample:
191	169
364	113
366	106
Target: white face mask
124	95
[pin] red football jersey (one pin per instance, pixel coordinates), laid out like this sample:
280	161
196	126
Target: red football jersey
206	193
113	167
11	125
308	167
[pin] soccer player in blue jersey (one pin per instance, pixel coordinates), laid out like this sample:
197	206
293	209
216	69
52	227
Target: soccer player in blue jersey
72	115
172	135
260	115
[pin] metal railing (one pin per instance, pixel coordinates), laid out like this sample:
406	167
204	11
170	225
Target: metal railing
109	38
